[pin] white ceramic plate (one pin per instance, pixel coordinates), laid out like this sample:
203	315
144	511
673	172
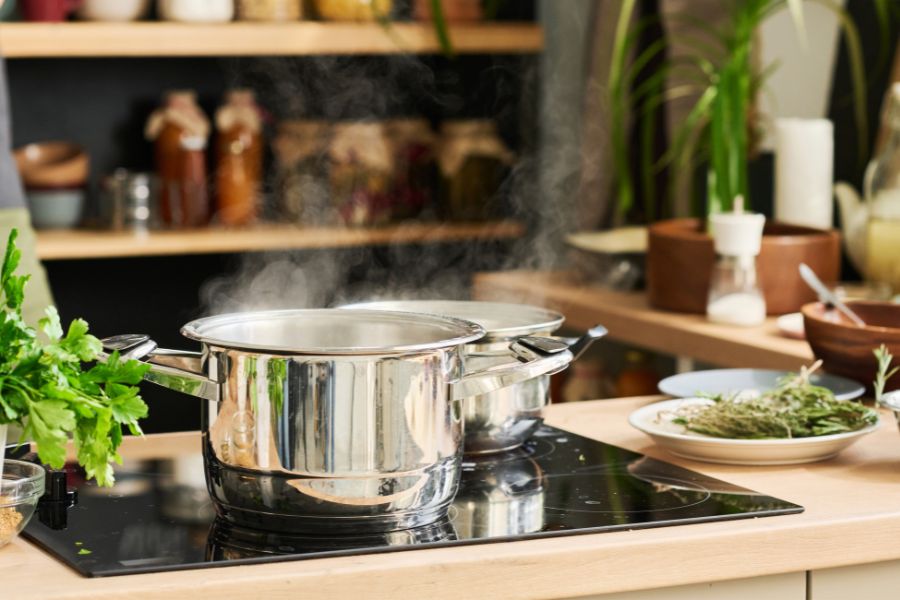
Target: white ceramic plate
675	439
733	381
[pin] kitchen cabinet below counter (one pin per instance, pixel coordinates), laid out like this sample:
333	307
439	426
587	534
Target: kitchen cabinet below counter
88	244
847	534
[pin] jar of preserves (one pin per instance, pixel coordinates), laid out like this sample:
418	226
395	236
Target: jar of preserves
180	130
302	187
412	143
353	10
238	158
270	10
360	168
473	162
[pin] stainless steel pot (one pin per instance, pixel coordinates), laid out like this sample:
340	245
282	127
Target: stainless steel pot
503	419
332	420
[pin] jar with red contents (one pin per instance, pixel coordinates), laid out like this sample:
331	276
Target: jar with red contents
412	143
180	131
361	166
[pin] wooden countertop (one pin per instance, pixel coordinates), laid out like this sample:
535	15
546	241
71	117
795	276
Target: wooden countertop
630	319
852	517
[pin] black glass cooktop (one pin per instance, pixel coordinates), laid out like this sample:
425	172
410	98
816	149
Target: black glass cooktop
158	517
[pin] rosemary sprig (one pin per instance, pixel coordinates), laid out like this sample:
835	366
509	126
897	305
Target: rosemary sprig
884	358
795	409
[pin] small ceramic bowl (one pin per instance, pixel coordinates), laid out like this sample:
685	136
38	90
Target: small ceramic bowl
55	208
846	349
20	489
113	10
53	164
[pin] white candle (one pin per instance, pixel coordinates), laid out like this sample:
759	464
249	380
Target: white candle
804	164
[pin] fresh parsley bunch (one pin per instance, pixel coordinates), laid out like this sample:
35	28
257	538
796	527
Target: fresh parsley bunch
47	388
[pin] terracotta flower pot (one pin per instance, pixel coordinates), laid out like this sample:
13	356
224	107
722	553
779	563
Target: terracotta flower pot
680	258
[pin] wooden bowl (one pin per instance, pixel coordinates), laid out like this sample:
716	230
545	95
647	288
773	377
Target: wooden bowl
846	349
680	259
52	165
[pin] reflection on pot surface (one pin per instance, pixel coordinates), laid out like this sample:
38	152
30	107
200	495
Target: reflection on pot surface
227	542
499	495
334	420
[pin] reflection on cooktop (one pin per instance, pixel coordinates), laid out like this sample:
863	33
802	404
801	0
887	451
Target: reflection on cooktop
158	516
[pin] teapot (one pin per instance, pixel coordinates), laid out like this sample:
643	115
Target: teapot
871	227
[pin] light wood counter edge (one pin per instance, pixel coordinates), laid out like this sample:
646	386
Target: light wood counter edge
555	567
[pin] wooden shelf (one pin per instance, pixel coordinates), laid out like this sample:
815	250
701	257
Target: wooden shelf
68	40
630	319
82	244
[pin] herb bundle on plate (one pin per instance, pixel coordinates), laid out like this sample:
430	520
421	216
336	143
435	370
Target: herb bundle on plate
795	409
50	389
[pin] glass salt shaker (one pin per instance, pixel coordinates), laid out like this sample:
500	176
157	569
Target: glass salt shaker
734	294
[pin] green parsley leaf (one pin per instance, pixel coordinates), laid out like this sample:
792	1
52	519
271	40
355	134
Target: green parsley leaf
50	389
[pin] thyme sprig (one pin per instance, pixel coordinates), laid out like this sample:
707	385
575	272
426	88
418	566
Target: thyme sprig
794	409
884	358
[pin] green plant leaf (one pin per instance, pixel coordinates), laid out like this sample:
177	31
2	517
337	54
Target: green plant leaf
440	28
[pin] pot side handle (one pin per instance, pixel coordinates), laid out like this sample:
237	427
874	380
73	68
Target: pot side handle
537	356
179	370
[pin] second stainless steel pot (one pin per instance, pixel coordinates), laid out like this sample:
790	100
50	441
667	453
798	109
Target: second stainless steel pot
332	420
502	419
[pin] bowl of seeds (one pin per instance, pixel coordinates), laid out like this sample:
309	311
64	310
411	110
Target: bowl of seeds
21	487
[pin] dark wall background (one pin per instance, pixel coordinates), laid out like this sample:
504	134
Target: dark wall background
104	103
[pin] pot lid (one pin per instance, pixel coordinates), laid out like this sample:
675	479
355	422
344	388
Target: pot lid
500	320
332	331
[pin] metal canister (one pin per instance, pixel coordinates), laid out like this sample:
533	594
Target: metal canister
129	201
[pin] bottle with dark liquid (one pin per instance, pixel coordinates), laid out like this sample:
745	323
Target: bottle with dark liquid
180	130
238	158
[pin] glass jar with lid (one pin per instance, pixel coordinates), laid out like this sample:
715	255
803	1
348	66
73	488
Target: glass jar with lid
361	166
473	162
412	144
179	131
301	165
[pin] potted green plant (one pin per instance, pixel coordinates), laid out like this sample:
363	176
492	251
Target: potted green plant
716	135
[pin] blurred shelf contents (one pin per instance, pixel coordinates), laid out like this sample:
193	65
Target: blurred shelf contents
197	11
412	144
455	11
638	377
86	244
129	201
113	10
360	169
69	40
301	186
54	175
353	10
473	162
179	131
270	10
239	158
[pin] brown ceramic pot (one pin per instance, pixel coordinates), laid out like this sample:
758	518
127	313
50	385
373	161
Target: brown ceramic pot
680	259
846	349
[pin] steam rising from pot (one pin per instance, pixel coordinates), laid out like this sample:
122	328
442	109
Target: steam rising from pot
341	88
